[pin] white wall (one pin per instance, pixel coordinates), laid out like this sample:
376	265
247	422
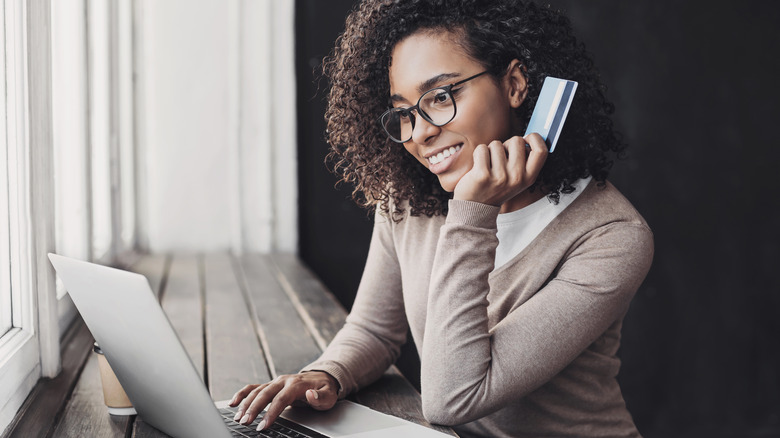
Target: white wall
216	165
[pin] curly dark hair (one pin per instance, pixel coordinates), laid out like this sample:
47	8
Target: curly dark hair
493	32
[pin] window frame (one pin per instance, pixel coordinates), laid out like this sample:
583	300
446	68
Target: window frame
6	302
29	350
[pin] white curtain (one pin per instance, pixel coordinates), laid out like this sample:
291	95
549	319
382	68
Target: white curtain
215	125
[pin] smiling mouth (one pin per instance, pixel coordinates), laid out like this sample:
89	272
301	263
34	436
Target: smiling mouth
443	155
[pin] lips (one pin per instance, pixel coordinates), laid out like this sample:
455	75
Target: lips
440	161
438	158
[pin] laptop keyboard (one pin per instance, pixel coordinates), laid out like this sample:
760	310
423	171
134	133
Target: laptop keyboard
282	428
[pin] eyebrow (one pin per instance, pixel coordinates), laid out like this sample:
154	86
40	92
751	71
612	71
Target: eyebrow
427	85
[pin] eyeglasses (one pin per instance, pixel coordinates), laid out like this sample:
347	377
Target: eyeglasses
436	106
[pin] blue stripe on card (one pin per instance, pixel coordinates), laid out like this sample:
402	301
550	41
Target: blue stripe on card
552	135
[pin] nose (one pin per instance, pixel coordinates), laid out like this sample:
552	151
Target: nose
424	131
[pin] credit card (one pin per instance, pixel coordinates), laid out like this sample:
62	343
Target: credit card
551	109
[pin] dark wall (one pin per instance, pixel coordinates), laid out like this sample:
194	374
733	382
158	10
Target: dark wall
696	100
695	92
334	231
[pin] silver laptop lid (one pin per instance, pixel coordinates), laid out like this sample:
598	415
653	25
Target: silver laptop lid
125	318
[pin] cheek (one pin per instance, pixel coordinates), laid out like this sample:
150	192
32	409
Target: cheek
486	122
494	125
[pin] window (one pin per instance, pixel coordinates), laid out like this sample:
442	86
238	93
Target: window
5	243
73	193
126	125
70	141
102	128
20	347
92	116
71	128
6	321
111	94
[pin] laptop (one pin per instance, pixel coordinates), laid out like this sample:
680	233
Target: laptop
123	314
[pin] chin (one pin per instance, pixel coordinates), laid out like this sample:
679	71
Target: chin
447	184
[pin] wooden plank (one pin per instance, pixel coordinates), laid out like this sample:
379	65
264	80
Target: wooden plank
319	309
288	344
41	411
233	351
86	413
142	429
153	267
182	303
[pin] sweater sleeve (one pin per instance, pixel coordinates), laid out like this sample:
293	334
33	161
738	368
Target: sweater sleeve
468	370
376	327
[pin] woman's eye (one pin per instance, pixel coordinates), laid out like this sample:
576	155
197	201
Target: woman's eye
441	98
404	114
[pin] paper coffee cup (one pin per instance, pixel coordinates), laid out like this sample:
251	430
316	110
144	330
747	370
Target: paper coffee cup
113	394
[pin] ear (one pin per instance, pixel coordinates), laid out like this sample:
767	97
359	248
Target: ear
517	86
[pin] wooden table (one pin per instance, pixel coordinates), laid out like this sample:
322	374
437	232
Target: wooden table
241	319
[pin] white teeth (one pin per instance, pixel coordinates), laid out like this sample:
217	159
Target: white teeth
438	158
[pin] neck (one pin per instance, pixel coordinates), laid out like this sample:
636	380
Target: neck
524	199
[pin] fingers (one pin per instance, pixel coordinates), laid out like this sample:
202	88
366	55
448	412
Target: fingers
279	403
253	403
490	162
537	155
245	396
481	167
241	394
501	170
323	398
516	160
318	389
312	397
498	162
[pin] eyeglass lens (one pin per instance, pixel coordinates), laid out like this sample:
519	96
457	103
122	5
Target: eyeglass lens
436	106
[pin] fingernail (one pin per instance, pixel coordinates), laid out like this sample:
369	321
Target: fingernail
261	426
315	394
244	419
238	415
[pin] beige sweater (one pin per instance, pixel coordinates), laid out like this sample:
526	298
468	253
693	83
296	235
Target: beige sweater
527	350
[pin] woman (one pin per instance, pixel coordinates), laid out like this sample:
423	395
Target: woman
512	268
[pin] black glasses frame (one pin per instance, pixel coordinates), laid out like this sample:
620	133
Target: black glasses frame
447	89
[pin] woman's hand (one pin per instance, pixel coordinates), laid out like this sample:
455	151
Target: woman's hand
502	170
316	388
